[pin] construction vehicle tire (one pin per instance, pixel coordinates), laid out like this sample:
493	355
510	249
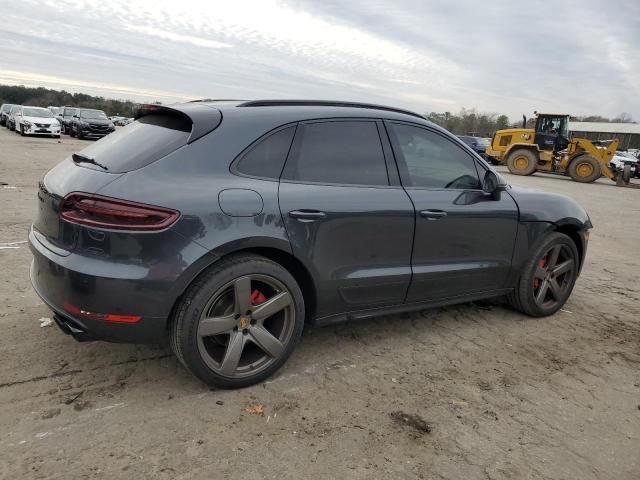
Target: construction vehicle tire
585	169
522	162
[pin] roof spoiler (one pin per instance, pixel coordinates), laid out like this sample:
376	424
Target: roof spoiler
203	118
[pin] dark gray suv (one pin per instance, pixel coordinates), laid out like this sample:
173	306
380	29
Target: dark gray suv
225	226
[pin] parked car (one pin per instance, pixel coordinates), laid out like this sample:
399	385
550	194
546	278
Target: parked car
11	118
65	116
226	226
477	144
88	123
4	113
620	159
117	120
37	121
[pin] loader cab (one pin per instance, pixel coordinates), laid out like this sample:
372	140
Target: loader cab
552	131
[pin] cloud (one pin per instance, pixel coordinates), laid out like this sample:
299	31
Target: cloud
176	37
417	54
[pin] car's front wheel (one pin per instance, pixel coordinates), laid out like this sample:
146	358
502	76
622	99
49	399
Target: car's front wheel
239	322
548	277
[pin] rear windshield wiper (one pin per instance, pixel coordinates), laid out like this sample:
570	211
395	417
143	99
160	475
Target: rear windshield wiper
77	158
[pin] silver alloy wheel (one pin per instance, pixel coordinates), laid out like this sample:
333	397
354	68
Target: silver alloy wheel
553	276
238	337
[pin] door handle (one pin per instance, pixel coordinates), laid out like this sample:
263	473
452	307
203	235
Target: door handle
307	215
433	214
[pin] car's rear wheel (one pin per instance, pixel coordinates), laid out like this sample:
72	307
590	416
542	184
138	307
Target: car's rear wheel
239	322
548	277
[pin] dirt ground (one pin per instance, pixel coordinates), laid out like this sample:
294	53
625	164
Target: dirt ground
464	392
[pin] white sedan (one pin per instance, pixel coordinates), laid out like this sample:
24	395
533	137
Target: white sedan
37	121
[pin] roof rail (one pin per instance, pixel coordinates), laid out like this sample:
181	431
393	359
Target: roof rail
324	103
209	100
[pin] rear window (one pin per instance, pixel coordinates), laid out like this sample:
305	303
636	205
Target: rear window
140	143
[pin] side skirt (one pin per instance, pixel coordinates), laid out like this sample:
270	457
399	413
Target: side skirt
410	307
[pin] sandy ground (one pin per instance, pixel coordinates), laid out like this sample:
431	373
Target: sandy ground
503	396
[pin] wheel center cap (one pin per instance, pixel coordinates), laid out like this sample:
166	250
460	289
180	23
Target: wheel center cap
244	321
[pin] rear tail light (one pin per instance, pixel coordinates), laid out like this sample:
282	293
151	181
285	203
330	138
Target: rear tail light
107	317
115	214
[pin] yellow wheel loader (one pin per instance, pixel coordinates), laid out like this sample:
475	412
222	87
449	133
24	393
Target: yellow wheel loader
548	148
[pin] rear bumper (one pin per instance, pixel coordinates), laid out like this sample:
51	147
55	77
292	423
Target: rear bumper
63	280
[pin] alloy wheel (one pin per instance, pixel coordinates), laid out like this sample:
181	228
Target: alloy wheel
246	325
553	277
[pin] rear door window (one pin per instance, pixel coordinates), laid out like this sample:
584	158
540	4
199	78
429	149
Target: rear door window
139	143
266	158
337	152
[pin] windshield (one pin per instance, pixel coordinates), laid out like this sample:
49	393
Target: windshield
93	114
70	112
7	107
551	125
54	110
36	112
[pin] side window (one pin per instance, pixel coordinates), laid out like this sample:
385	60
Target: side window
429	160
267	157
338	152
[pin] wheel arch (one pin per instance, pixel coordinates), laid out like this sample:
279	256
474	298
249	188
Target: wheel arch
276	251
573	232
521	146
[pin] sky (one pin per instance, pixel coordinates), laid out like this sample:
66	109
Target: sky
579	57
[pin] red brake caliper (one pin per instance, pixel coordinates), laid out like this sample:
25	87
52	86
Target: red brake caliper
542	263
257	297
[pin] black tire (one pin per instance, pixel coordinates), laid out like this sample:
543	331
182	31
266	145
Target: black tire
199	302
80	135
524	297
585	169
522	162
71	132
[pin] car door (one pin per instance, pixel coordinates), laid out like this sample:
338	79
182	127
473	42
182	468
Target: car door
346	221
464	238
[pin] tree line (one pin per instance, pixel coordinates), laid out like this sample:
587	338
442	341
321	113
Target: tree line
481	124
466	122
44	97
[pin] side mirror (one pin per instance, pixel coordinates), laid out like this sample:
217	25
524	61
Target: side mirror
76	116
492	184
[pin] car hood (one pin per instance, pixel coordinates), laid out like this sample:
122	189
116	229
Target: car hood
537	206
46	121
